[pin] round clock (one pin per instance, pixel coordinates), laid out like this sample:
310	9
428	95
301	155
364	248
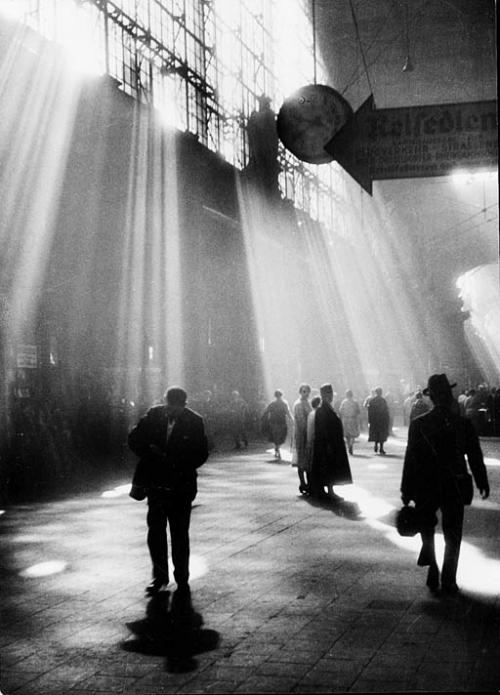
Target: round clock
308	120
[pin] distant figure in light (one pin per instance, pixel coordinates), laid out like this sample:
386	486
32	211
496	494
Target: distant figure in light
301	410
238	417
171	443
350	413
329	460
407	406
364	412
275	420
435	477
378	421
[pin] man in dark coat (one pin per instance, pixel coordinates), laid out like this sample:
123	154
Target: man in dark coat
433	472
171	443
378	421
330	463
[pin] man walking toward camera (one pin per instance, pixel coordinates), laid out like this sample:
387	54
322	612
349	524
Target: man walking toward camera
172	444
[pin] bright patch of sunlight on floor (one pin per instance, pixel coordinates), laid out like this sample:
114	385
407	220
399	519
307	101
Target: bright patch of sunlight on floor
198	567
476	573
370	507
286	454
44	569
118	491
398	442
491	462
487	504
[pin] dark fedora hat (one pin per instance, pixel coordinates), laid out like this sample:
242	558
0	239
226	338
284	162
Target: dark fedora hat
438	383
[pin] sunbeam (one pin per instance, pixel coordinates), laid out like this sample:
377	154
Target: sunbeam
150	317
35	135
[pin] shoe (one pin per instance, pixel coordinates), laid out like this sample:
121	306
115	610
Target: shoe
375	449
183	589
433	578
156	586
449	589
350	449
383	452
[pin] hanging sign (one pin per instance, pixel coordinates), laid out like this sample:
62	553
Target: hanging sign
415	142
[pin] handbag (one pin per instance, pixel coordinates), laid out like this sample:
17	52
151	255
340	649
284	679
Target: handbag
465	487
408	521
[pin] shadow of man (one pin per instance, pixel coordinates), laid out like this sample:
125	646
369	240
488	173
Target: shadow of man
172	628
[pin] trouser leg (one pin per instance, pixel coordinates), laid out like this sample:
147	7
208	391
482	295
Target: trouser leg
179	519
453	516
428	551
157	539
427	512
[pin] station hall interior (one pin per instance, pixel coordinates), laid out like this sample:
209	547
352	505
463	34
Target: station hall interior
155	229
158	228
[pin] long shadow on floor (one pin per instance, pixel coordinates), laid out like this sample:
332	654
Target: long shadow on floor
173	629
340	507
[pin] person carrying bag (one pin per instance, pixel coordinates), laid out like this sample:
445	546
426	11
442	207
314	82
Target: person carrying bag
435	476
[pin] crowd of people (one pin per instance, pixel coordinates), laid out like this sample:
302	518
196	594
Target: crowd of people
323	429
171	442
374	415
50	441
480	405
55	439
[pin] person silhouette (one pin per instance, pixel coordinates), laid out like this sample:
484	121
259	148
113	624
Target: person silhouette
172	444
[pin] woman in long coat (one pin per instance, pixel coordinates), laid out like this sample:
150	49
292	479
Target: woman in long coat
301	410
378	421
350	412
330	463
275	421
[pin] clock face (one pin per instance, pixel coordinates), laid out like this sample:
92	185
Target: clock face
308	120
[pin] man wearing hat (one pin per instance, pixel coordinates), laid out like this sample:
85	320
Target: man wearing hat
329	460
434	472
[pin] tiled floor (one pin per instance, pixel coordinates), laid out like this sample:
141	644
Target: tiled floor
288	596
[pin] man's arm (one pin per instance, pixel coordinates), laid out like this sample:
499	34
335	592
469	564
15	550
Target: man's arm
140	437
475	458
137	441
201	446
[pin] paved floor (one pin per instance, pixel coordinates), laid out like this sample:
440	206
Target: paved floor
288	596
